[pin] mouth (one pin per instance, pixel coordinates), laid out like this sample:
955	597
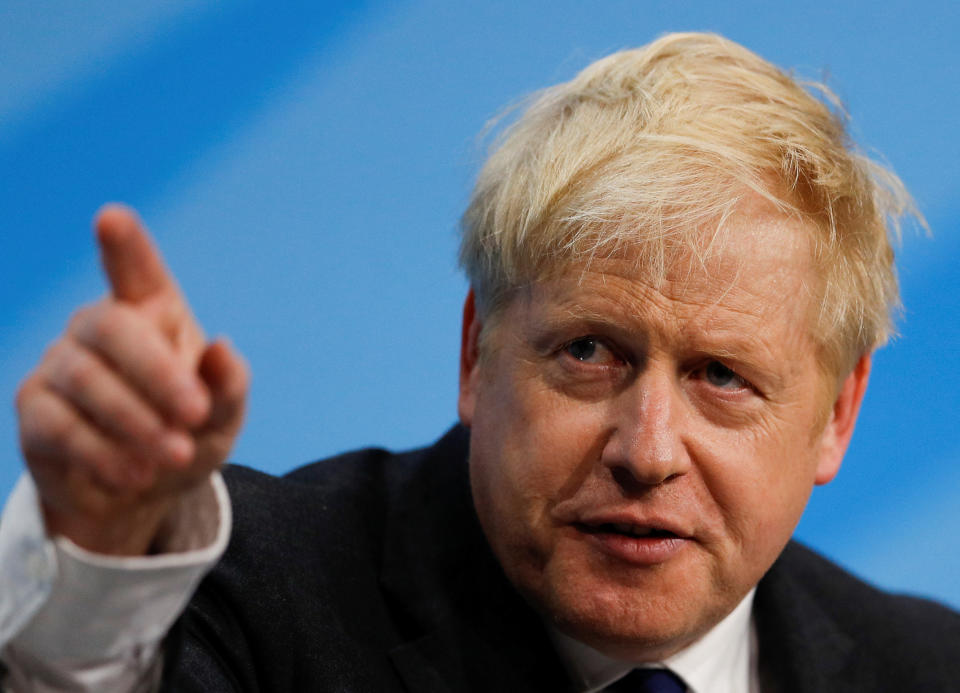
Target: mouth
635	544
627	530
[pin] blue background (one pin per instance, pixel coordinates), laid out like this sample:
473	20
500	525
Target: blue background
303	166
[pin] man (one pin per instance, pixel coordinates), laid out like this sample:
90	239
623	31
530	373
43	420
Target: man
679	271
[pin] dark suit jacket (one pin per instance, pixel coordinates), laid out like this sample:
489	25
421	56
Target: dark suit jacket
369	572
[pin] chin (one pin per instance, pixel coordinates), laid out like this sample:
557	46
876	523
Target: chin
646	620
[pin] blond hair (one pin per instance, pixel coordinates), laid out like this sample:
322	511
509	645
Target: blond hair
646	148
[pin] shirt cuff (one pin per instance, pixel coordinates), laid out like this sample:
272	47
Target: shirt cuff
60	602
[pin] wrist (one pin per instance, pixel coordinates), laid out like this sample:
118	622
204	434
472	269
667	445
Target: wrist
127	531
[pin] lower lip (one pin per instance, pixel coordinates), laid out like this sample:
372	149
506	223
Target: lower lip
637	550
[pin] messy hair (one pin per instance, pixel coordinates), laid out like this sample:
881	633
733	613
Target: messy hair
646	149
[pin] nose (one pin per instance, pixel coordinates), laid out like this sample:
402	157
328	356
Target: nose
647	444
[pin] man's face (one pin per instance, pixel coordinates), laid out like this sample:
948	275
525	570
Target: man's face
639	455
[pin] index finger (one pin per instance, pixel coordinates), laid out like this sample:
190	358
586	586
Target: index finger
132	263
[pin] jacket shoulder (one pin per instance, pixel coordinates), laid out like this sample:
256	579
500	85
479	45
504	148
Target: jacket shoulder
350	492
866	607
819	614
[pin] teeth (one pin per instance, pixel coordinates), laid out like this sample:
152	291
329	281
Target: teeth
635	530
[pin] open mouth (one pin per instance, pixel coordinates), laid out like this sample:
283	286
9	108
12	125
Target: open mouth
635	531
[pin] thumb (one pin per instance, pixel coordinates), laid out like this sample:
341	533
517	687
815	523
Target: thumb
132	263
226	375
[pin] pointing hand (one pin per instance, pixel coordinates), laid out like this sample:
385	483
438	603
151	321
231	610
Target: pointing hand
131	406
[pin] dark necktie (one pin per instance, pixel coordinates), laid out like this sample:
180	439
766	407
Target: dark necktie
648	681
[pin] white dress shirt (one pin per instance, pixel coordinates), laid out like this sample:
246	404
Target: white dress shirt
722	661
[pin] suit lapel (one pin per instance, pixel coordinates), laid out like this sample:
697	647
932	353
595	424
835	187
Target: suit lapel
425	667
467	628
802	648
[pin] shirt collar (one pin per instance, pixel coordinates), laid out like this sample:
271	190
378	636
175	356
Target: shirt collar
722	661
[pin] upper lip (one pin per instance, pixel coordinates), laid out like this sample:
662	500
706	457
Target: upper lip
635	520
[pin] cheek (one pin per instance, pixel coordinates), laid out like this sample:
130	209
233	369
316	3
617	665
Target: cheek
760	485
519	458
529	450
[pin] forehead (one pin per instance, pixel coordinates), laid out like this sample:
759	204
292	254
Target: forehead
754	265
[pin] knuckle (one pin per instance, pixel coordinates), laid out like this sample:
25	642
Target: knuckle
47	427
136	426
163	392
98	325
60	432
81	317
108	466
102	325
79	372
32	411
25	392
56	351
177	391
158	371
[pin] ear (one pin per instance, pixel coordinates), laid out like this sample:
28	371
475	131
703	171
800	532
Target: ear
469	359
843	418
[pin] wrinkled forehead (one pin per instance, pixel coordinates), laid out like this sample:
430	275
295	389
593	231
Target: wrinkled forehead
755	251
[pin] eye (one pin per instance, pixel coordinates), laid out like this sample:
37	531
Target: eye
582	349
590	350
722	377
